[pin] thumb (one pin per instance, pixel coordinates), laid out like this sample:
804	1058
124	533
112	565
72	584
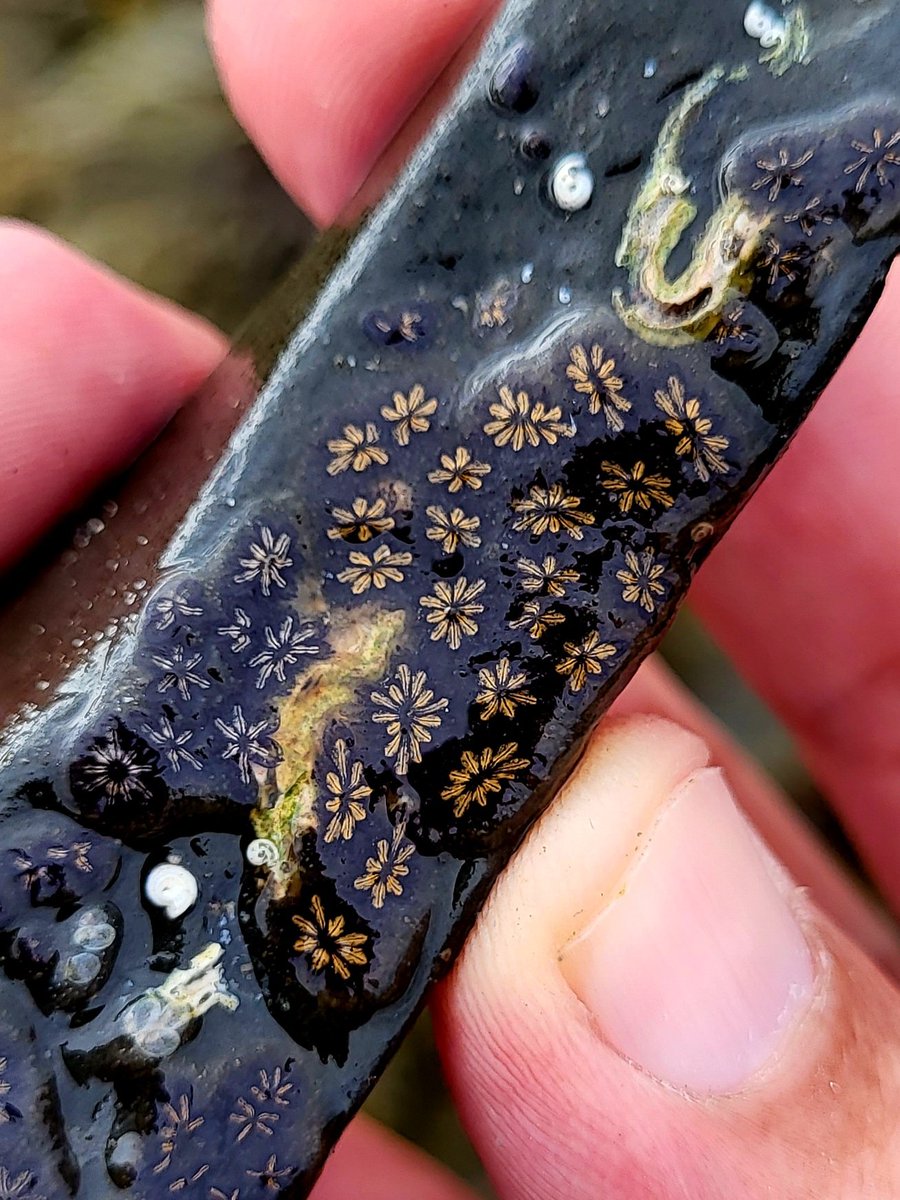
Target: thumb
649	1007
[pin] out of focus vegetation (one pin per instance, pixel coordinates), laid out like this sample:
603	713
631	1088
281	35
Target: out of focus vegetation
114	134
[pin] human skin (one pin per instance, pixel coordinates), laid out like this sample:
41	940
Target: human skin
650	1004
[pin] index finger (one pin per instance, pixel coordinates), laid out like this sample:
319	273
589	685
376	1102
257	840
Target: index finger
323	89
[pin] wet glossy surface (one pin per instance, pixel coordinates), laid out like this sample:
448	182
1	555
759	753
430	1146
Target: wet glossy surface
252	823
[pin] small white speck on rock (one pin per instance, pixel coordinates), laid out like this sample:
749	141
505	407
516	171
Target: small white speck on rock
764	24
572	183
262	852
172	888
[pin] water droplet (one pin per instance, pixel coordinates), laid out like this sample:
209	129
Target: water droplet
513	86
81	968
92	934
124	1158
649	68
565	295
603	104
158	1041
94	526
528	272
42	685
536	146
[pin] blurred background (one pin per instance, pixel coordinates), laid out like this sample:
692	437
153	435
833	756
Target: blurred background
114	135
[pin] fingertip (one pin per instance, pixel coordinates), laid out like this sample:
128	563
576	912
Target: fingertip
91	367
690	1051
323	89
38	268
373	1162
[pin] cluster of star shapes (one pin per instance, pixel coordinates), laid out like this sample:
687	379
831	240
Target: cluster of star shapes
119	766
516	422
15	1184
407	705
255	1114
872	161
326	937
328	942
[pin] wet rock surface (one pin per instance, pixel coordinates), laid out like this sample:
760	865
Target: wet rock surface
242	836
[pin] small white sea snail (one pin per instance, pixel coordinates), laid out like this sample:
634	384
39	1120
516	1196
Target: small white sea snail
172	888
262	852
571	183
764	24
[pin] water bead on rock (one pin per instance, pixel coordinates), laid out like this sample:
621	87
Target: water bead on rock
514	87
94	932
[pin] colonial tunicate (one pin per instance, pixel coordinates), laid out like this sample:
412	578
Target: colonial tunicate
378	618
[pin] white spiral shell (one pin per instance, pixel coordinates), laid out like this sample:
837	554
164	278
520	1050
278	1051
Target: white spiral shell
172	888
262	852
571	183
764	24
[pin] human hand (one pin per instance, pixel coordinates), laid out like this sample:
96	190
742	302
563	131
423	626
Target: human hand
648	1007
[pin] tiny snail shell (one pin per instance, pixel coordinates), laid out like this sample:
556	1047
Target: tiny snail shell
571	183
171	888
262	852
674	183
764	24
